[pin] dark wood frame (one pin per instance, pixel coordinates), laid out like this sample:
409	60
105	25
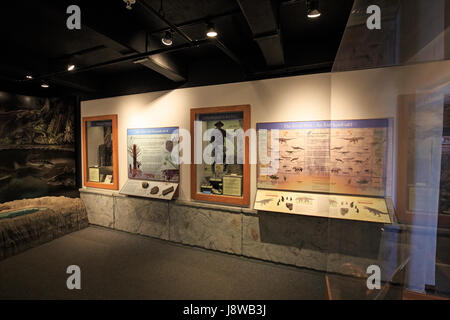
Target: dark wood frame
245	199
115	184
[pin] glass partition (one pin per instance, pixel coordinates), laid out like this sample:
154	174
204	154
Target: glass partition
398	71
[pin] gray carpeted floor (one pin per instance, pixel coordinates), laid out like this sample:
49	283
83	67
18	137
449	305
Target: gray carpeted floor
117	265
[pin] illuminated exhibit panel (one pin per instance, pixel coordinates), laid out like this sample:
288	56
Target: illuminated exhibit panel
324	205
345	156
153	154
153	163
343	162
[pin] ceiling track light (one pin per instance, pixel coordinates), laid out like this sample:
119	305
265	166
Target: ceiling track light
44	85
129	3
70	67
211	30
167	38
29	77
313	9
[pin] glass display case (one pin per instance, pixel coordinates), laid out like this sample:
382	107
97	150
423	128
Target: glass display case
100	152
220	170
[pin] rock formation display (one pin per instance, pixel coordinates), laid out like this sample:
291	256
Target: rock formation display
57	217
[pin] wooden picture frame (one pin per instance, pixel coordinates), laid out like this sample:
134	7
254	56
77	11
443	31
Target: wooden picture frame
115	154
244	200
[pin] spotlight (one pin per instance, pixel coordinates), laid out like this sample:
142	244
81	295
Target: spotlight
29	77
70	67
44	85
129	3
313	9
211	31
167	39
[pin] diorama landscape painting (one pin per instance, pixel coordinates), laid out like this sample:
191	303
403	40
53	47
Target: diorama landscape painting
37	149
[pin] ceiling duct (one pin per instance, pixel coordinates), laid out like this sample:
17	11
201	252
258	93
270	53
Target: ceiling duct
261	18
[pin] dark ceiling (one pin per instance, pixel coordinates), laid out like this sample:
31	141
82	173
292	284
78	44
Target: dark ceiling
257	39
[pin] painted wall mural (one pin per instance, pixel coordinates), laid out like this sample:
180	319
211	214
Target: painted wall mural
37	147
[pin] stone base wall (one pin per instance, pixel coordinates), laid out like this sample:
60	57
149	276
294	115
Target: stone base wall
338	246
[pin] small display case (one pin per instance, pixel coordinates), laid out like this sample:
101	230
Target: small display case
220	158
100	152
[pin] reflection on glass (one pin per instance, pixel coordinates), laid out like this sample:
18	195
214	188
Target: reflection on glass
221	172
99	151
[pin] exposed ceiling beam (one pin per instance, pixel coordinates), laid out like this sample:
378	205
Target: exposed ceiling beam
72	84
200	21
149	9
186	37
262	21
128	58
123	40
24	62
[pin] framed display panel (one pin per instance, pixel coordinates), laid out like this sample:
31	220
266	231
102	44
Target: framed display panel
331	156
100	152
153	154
210	180
153	163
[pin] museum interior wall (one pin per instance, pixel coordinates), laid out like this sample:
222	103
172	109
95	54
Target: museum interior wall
399	73
345	247
335	96
393	82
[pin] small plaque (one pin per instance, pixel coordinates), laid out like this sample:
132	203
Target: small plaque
232	186
94	174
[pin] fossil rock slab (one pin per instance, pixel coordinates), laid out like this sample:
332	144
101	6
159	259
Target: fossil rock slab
100	208
207	228
57	216
142	216
294	240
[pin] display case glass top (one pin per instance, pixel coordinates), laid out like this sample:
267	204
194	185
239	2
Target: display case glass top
220	155
100	152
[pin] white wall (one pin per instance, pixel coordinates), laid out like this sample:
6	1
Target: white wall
347	95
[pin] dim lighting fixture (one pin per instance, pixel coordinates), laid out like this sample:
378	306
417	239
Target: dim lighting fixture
313	9
129	3
167	39
142	60
71	67
44	85
211	31
29	77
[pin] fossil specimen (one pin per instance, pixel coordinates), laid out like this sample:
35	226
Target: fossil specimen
167	191
154	190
